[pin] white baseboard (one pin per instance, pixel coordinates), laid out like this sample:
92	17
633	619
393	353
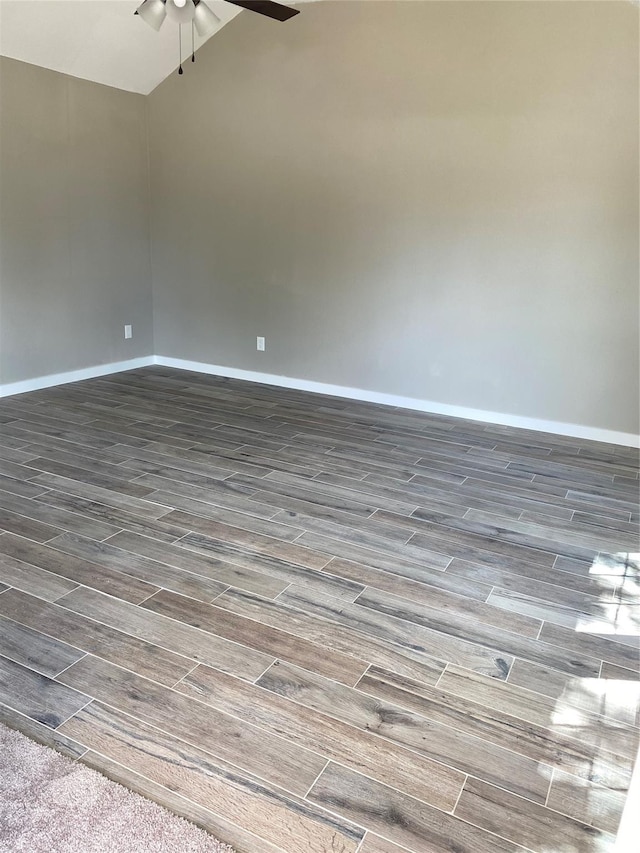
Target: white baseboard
499	418
39	382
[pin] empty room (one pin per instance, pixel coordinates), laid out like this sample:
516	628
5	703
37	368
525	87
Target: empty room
319	426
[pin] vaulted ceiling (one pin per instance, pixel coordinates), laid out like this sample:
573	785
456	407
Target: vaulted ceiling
98	40
103	41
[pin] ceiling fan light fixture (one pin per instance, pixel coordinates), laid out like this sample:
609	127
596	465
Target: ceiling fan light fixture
205	20
201	17
180	14
152	12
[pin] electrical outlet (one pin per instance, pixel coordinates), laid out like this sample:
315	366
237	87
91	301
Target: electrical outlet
260	344
128	332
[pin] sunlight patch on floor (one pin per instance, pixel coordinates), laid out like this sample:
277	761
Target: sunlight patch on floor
622	616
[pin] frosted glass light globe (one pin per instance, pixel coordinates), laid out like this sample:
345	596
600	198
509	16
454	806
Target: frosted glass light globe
180	11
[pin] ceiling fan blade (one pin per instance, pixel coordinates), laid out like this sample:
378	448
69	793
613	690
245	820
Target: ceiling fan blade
267	7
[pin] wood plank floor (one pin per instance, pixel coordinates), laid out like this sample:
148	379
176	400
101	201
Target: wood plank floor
310	624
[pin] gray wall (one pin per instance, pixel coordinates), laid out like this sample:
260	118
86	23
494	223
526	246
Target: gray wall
437	200
74	224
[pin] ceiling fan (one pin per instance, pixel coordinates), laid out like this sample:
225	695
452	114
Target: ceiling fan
202	19
154	12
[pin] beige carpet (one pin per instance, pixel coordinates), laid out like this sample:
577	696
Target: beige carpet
51	804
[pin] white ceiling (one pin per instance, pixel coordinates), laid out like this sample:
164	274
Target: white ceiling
100	40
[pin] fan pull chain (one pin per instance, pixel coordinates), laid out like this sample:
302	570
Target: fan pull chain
193	43
180	71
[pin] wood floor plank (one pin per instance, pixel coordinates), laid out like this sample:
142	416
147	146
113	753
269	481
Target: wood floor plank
399	632
572	473
29	647
15	470
538	530
273	565
206	818
409	661
466	536
477	549
373	532
602	501
24	488
405	820
32	579
33	649
280	819
429	780
37	696
90	478
12	522
124	430
213	500
211	567
332	490
449	472
57	518
85	461
57	433
402	548
616	694
253	749
544	495
101	640
581	642
586	802
280	644
103	578
30	432
591	520
488	650
399	564
165	478
26	406
159	630
426	590
536	742
208	463
493	495
598	616
192	515
9	441
611	672
159	456
489	807
535	708
513	538
551	585
41	733
141	568
401	726
450	613
374	844
141	506
251	462
309	501
118	518
270	545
